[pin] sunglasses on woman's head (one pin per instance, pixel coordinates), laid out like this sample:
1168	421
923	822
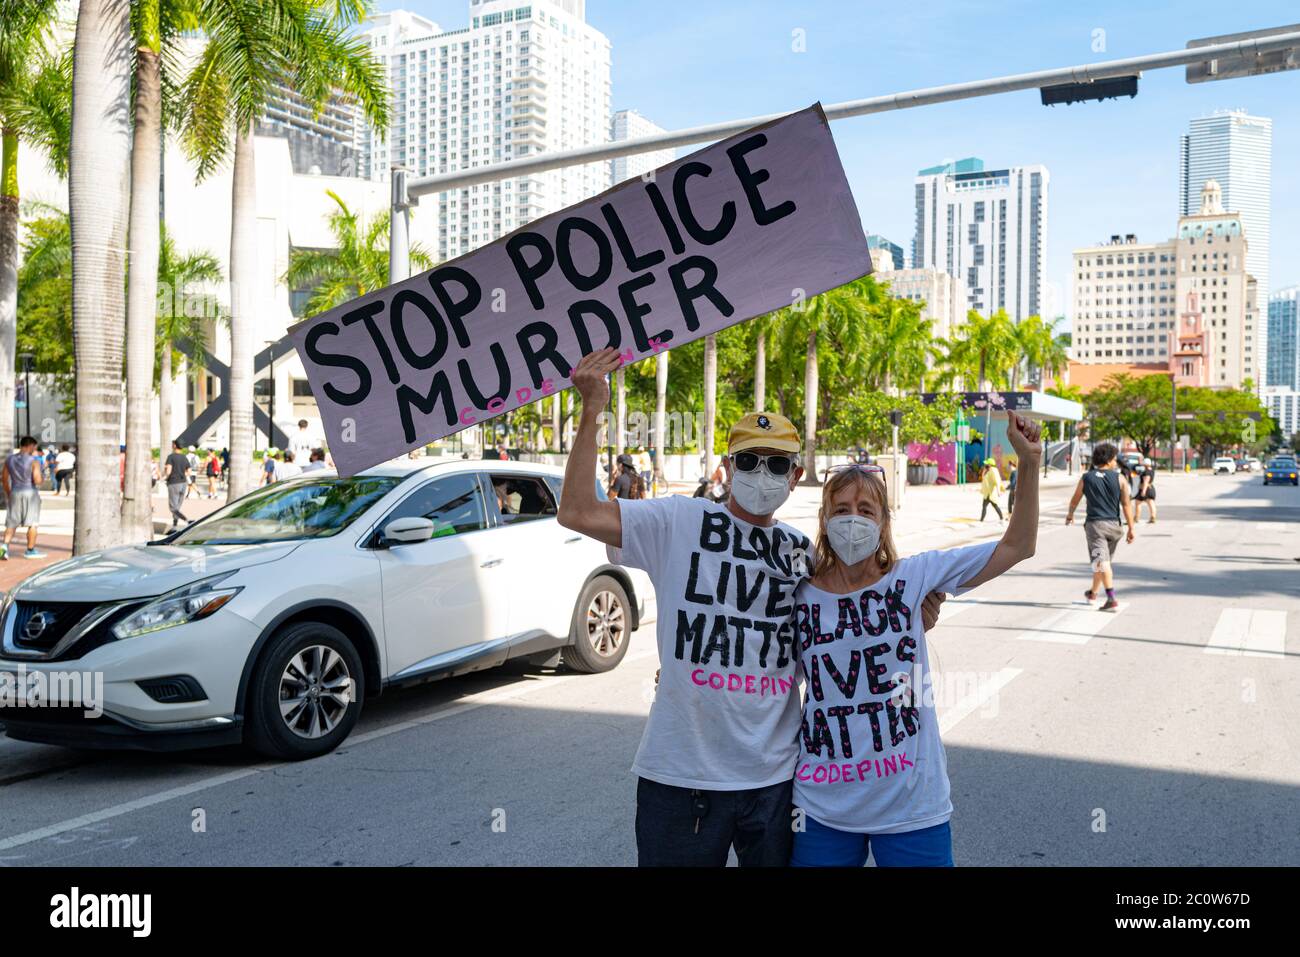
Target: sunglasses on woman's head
869	469
779	465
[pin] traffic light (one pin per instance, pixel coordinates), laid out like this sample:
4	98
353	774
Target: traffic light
1109	89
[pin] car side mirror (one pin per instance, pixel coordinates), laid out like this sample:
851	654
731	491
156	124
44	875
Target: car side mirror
405	531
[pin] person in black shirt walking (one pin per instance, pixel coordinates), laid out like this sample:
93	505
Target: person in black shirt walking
1107	493
176	471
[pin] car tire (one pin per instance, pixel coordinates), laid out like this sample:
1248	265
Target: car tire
318	660
602	627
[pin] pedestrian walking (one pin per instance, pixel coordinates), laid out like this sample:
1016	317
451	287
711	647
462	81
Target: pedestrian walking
1108	497
286	468
268	467
51	466
849	806
716	762
176	472
212	472
627	482
64	464
1146	491
191	456
23	476
1013	467
990	488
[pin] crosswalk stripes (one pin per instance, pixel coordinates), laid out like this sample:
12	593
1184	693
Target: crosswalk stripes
1201	524
955	606
987	686
1251	632
1072	626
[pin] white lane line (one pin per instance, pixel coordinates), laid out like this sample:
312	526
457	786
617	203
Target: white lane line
1073	626
987	687
1251	632
1200	525
953	607
482	699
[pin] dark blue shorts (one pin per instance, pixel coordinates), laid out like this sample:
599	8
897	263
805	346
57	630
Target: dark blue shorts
821	846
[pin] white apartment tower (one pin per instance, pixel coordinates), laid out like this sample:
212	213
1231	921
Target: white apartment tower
1235	150
987	228
631	125
523	78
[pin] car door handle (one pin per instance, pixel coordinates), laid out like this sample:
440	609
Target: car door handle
575	538
491	562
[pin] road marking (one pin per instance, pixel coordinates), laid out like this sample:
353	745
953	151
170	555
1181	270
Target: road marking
1073	626
480	700
986	688
1201	524
1250	632
953	607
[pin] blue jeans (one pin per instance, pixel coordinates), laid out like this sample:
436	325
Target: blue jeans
821	846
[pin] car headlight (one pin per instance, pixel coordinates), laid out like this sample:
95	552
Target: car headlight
189	603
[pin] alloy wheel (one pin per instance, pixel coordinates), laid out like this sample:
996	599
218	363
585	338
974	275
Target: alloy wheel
606	623
315	691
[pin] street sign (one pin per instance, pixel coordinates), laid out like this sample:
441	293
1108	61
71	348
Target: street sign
1184	416
1248	64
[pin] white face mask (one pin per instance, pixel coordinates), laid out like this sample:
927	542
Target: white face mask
759	493
852	537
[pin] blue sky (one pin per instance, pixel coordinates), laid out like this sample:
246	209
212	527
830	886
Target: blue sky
1113	165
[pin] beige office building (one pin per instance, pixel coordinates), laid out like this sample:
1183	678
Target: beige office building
1129	296
944	296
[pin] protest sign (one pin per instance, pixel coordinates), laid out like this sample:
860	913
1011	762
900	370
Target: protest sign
752	223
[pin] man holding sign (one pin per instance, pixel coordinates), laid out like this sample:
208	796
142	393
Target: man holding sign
716	761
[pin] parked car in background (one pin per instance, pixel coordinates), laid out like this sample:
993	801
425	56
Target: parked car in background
1226	464
1253	464
272	620
1281	470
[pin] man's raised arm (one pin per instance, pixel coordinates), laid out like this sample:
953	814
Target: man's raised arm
580	509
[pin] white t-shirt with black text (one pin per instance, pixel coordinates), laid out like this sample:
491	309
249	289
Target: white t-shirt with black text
726	712
870	758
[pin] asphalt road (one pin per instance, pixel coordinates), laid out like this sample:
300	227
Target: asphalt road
1166	734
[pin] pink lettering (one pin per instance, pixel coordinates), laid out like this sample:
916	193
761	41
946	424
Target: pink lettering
734	683
902	760
467	416
695	676
862	774
496	404
891	766
822	779
749	684
802	773
548	386
764	685
657	344
832	774
720	681
523	394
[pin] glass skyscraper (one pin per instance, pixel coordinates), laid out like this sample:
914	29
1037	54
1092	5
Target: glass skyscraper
1283	367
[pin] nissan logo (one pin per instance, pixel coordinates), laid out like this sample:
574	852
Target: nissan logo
37	624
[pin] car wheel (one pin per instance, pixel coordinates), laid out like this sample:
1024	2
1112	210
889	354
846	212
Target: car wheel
602	625
306	694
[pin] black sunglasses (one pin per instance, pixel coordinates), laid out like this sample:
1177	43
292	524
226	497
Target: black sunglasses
778	465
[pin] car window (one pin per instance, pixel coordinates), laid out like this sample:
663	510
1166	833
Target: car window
557	485
522	498
293	509
454	503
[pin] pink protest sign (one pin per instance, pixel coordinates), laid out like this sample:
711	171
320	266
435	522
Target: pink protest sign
735	230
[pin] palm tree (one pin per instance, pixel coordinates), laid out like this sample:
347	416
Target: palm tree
899	343
357	264
24	44
155	23
253	45
182	314
983	347
98	195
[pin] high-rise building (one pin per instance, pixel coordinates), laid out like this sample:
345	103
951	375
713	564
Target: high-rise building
631	125
1284	339
1235	150
1189	302
1124	301
987	228
894	250
1283	407
522	78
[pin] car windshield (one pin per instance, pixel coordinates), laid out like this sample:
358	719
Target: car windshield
315	508
1280	463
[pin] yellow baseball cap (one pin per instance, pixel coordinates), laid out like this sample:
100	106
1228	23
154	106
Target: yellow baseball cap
763	430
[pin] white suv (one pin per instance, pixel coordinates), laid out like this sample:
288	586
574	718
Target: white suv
272	620
1225	463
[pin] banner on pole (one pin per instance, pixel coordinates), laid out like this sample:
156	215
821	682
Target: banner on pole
761	220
